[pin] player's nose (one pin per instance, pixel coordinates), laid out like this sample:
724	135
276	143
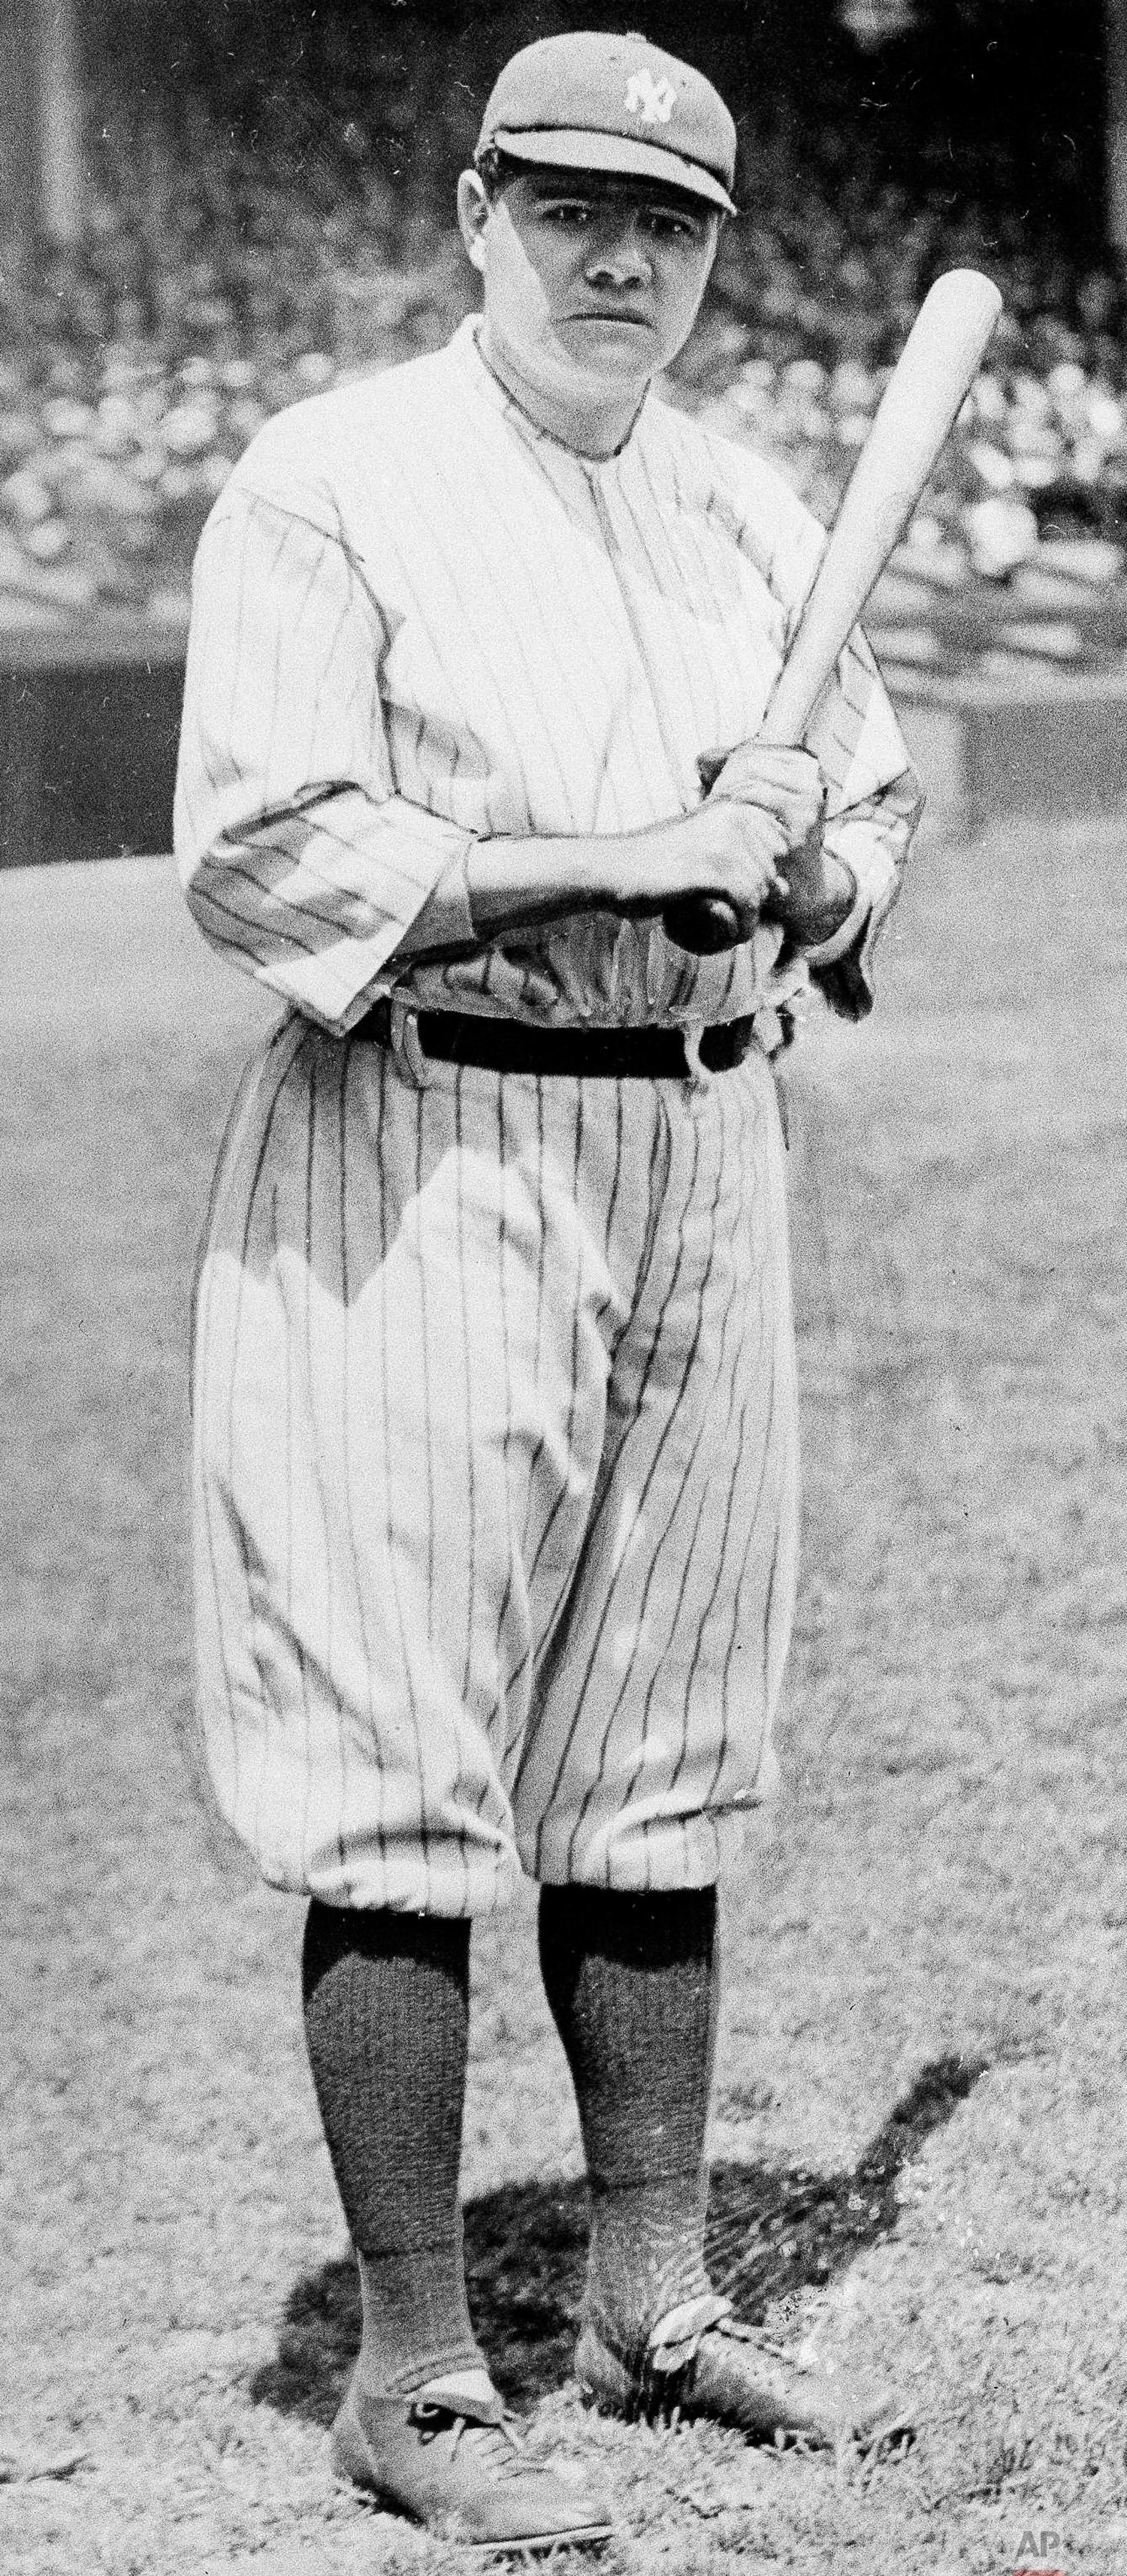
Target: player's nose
624	262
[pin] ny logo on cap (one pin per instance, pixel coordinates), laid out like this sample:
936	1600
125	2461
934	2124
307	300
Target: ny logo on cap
654	101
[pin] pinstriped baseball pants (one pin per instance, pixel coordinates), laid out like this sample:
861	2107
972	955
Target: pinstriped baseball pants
495	1473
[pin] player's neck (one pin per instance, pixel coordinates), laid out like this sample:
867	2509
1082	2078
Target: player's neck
579	411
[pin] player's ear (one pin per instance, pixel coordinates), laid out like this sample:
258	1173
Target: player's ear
473	215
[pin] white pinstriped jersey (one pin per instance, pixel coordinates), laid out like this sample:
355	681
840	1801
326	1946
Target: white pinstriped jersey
419	619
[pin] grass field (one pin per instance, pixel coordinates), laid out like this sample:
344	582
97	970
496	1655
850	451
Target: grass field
920	2108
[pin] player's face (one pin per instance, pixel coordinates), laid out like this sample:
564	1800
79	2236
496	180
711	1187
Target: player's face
597	276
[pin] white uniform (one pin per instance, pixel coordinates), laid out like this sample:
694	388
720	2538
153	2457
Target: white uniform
495	1448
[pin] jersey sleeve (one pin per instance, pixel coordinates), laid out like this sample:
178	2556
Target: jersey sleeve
299	860
875	798
875	802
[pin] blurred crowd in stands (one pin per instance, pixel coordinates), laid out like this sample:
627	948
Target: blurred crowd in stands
233	265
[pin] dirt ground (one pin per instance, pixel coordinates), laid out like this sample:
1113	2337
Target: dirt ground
919	2120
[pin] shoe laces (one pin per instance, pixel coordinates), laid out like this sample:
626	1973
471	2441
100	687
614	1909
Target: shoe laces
493	2446
674	2341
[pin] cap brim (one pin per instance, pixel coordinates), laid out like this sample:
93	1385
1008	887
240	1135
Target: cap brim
573	148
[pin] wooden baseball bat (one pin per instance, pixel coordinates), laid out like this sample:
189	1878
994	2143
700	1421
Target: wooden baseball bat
914	419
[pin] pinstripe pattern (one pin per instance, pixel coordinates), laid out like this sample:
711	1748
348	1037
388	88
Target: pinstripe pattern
418	620
494	1456
494	1423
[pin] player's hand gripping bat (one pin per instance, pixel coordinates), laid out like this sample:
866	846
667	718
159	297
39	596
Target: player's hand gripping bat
917	412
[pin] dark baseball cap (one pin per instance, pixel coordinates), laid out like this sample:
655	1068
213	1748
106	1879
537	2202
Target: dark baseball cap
616	103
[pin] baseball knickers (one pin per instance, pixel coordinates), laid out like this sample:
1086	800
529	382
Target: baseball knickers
495	1472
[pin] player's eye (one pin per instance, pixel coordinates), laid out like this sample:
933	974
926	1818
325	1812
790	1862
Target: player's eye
666	226
570	215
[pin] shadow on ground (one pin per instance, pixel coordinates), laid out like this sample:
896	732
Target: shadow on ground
771	2232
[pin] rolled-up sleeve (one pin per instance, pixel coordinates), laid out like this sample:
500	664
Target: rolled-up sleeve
299	860
874	806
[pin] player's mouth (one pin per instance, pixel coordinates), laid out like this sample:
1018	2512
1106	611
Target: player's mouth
614	313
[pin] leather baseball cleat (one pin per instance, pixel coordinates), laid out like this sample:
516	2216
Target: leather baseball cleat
699	2360
448	2458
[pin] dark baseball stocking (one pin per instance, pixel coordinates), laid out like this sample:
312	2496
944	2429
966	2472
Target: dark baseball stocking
632	1982
386	2023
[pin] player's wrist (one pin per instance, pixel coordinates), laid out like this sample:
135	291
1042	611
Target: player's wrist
514	883
597	871
634	871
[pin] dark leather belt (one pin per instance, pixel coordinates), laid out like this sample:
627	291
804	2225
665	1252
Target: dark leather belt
514	1046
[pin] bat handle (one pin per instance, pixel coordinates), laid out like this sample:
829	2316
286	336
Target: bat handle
703	923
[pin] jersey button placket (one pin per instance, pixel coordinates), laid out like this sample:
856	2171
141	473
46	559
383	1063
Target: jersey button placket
600	482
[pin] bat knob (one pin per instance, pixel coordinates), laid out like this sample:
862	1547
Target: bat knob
705	924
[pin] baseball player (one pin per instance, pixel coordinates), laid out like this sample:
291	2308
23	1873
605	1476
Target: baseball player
495	1441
